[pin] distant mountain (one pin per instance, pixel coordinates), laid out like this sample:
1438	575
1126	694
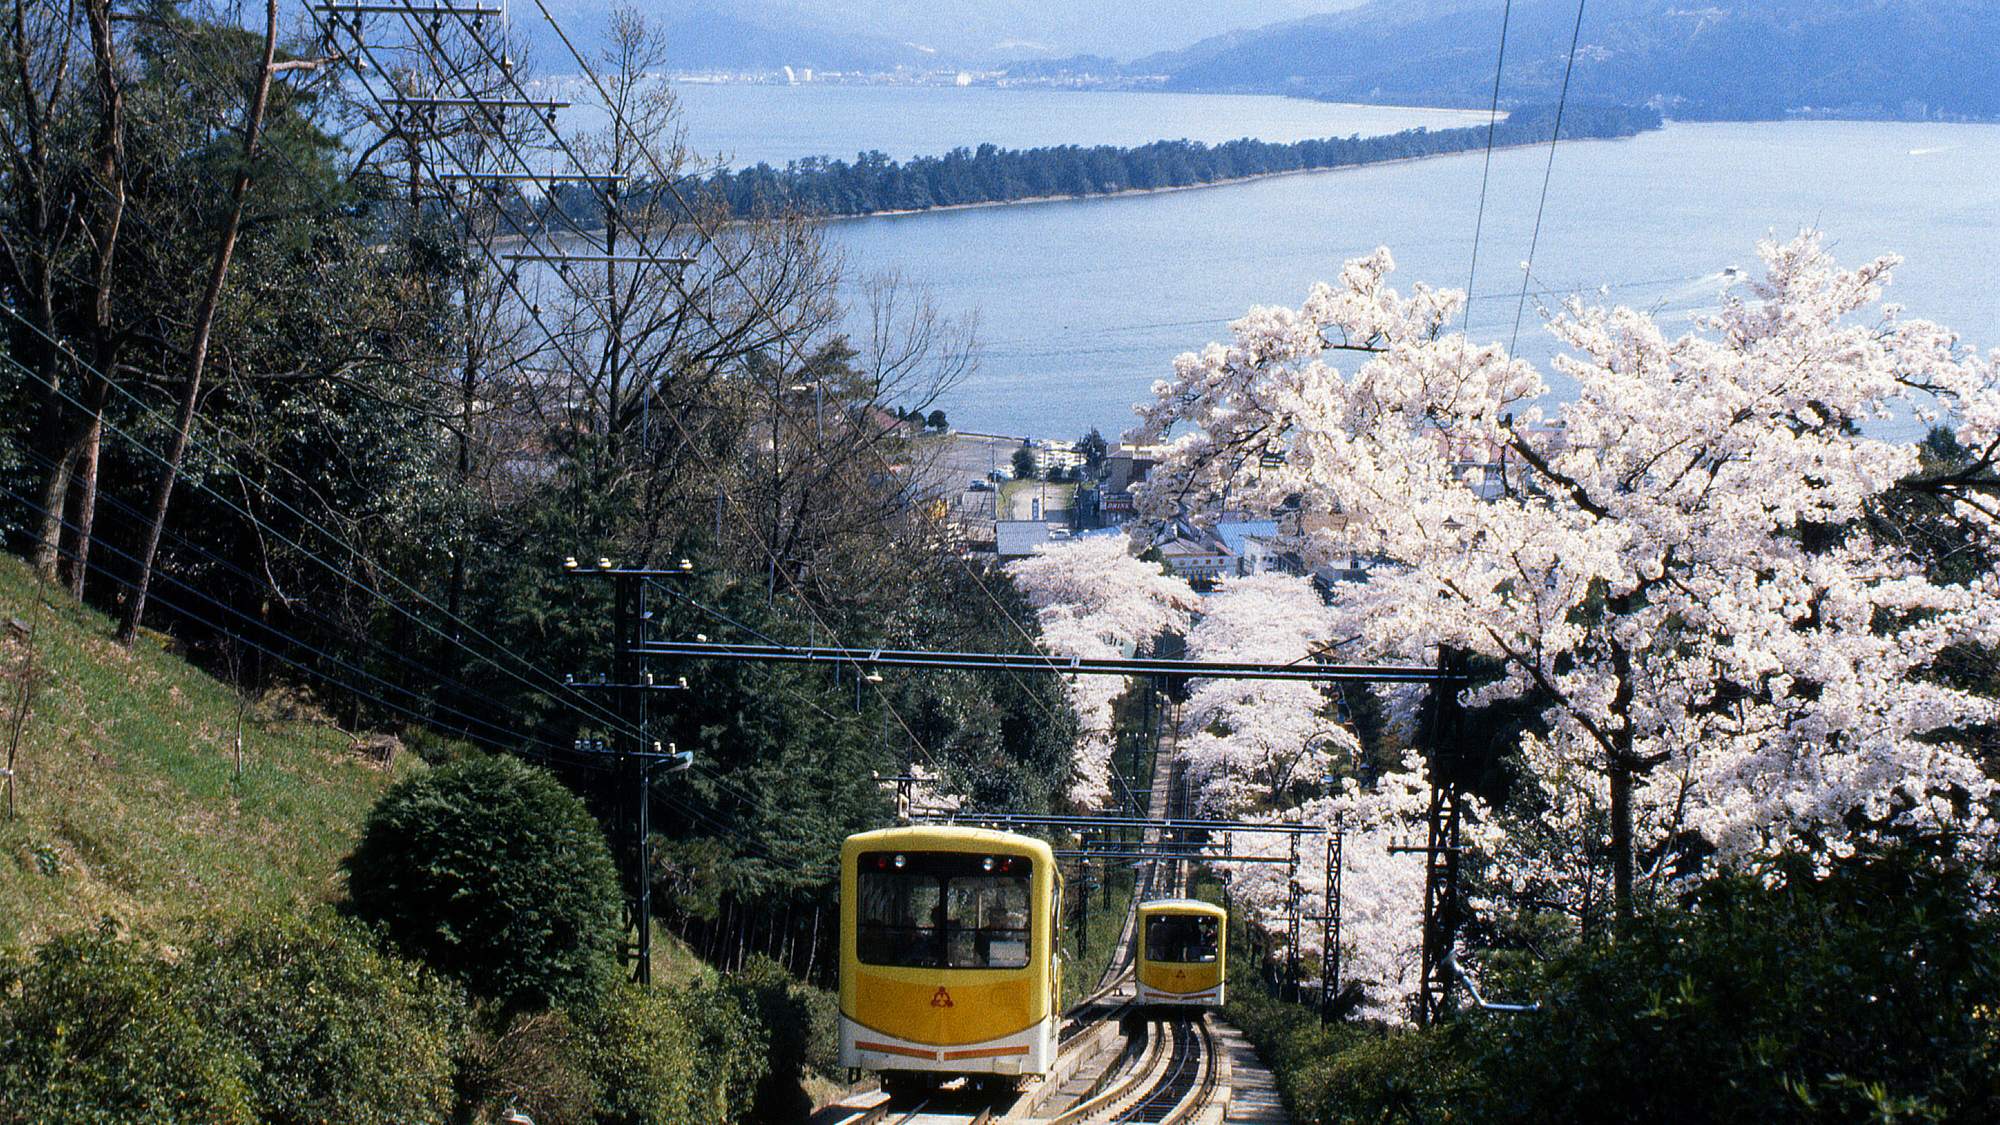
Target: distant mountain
882	34
1691	58
1000	30
713	37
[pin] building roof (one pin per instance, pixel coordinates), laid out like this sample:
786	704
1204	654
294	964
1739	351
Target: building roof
1235	532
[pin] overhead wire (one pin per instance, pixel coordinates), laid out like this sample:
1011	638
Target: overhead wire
182	610
1555	134
508	740
734	272
513	283
1486	169
344	574
187	611
186	546
732	269
139	219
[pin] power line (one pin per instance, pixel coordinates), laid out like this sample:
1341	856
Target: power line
512	282
517	742
342	573
733	271
185	612
258	625
1555	134
1486	170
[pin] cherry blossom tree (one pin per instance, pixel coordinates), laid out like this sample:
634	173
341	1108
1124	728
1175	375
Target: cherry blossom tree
1094	600
1382	891
1675	557
1250	745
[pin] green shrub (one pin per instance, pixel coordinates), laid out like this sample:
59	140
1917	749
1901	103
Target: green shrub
489	870
804	1037
542	1063
93	1029
1377	1075
333	1029
694	1057
644	1055
1867	992
735	1047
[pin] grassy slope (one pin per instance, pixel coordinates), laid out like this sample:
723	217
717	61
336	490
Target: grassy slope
126	784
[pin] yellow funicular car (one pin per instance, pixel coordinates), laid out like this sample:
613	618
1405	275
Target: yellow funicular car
949	960
1181	952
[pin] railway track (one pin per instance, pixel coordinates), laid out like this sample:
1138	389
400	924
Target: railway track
1113	1067
1168	1080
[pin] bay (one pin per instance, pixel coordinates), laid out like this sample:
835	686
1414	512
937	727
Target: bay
1082	304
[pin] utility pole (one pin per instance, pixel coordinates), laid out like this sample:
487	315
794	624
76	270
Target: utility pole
1329	926
1082	905
635	756
1294	897
1445	764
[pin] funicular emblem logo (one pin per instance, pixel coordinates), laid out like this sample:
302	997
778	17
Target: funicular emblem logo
941	999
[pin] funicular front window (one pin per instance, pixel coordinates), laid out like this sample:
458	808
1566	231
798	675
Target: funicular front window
943	909
1184	938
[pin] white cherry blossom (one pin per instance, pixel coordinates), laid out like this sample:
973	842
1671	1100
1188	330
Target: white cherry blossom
1094	600
1671	561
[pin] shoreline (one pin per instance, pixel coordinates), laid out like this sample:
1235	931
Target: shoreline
1125	193
1128	193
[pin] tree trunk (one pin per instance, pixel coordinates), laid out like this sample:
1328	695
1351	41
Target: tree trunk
812	946
86	503
1621	773
105	346
211	303
1621	840
49	521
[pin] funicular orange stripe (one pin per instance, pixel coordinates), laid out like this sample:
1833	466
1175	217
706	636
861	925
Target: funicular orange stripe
986	1052
891	1048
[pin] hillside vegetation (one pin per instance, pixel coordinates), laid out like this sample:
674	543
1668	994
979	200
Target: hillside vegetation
128	801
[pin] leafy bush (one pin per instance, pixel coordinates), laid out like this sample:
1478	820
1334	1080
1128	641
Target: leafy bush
1867	991
735	1047
643	1054
538	1062
92	1030
489	870
690	1057
804	1036
333	1030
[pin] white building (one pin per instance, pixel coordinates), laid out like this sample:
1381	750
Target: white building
1050	454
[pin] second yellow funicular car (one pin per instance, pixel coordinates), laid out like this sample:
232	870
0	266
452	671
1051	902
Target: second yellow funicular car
1181	954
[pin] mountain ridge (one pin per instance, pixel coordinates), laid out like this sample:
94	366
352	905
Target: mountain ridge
1771	58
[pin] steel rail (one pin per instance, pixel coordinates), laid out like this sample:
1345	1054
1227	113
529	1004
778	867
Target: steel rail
1150	1060
1183	1095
